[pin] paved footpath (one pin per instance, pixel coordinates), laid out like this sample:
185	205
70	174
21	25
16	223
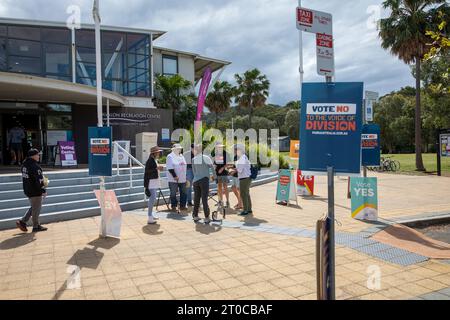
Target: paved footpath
268	256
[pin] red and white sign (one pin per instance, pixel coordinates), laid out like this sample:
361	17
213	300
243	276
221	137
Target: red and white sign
314	21
305	184
112	219
320	23
325	54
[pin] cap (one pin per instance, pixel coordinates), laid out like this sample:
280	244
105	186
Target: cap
32	152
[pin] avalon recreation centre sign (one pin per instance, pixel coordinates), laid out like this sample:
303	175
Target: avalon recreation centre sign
331	127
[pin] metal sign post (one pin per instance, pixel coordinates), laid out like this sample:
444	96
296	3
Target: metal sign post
331	245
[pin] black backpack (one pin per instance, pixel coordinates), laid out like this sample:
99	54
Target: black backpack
254	170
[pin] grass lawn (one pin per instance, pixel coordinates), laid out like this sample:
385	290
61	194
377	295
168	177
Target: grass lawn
407	162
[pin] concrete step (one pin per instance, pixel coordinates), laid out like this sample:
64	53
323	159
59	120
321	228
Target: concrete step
65	174
12	186
61	198
17	212
71	189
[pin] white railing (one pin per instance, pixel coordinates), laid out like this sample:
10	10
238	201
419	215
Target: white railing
131	159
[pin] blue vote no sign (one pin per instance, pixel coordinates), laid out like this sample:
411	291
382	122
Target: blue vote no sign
330	127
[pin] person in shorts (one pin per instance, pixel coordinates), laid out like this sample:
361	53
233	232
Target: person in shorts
221	159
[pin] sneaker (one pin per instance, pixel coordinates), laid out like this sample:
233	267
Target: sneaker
21	225
243	213
207	220
39	229
190	204
151	220
250	212
196	219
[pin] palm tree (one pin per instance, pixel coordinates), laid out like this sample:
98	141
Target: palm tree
404	34
172	92
252	90
219	100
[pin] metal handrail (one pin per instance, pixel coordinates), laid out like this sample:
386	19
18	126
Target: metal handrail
131	160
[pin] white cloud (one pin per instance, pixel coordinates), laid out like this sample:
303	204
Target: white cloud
251	33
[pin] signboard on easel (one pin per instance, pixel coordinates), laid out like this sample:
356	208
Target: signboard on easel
286	187
112	218
305	184
364	198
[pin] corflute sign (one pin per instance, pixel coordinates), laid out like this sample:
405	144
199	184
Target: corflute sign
330	127
370	144
100	153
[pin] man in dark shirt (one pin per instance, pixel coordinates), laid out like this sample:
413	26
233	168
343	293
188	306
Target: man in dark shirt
189	155
34	189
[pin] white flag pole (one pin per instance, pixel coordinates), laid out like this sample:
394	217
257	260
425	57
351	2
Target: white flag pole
300	69
98	62
98	65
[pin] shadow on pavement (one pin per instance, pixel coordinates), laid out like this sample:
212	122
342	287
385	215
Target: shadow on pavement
86	258
207	228
19	240
152	229
250	221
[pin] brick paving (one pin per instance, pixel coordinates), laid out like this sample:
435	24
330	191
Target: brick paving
177	259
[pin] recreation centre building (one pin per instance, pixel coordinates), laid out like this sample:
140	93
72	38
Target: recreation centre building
48	79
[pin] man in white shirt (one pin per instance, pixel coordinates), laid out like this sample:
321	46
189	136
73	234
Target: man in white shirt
243	168
176	167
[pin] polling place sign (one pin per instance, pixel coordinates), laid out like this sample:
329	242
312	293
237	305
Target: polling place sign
364	198
100	151
331	127
286	186
67	153
370	145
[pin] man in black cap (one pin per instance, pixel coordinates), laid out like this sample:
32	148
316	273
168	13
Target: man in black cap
34	189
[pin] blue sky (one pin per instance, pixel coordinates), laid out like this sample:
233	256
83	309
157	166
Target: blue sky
251	33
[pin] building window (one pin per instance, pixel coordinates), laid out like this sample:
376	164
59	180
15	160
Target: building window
57	59
59	122
24	48
27	65
114	65
170	65
53	35
113	41
2	54
58	107
138	44
3	32
27	33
